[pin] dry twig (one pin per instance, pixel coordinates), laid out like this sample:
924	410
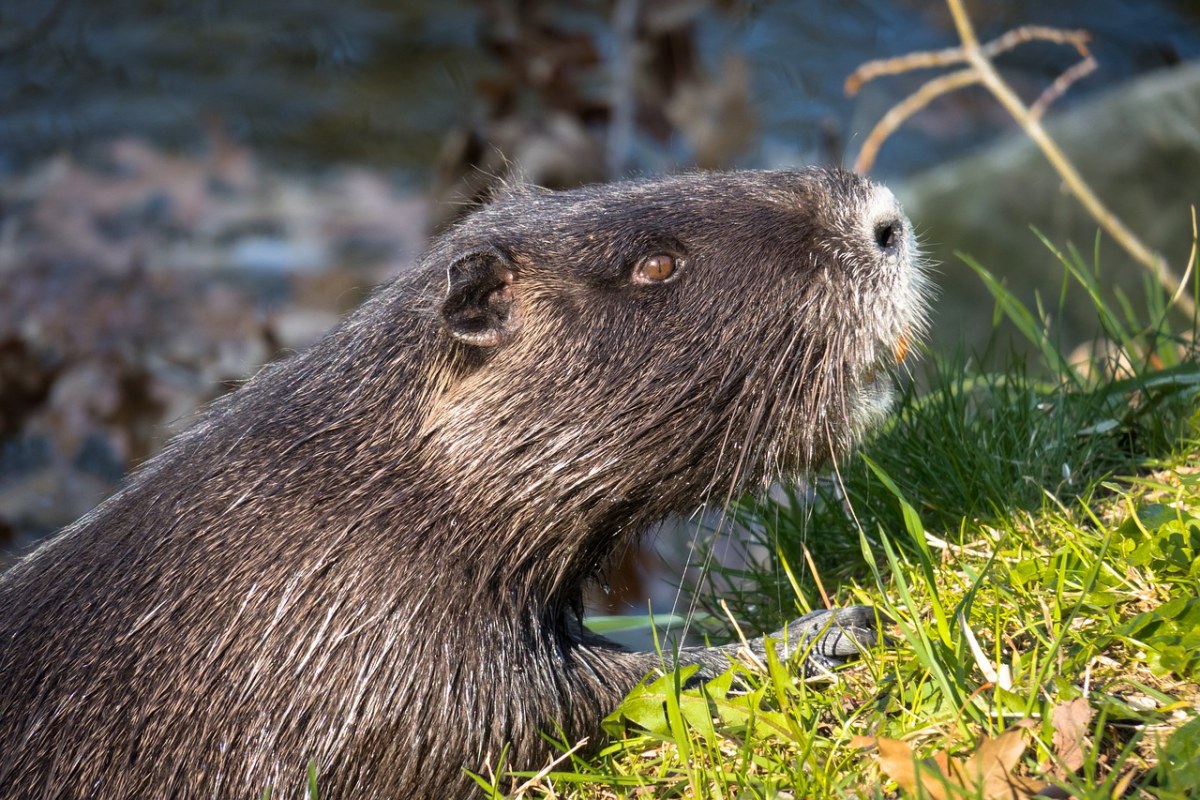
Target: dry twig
1063	82
979	69
910	105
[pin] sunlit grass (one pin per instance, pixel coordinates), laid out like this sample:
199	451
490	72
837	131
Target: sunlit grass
1034	531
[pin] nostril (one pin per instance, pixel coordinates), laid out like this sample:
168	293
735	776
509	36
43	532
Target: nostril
887	235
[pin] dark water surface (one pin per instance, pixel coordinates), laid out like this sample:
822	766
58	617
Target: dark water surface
382	82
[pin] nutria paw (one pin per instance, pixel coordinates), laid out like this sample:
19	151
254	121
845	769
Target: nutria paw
825	638
829	637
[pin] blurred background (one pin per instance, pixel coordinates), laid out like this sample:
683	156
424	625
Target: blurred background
191	188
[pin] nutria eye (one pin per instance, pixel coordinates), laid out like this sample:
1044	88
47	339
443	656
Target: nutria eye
657	268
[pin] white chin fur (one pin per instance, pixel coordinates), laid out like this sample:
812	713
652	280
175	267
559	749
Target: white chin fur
871	403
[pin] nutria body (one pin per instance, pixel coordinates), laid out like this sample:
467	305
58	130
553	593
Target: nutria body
371	556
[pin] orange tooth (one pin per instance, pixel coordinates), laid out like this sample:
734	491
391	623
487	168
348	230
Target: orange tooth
901	347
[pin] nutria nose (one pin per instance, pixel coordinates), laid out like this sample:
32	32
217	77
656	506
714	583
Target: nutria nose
885	222
888	234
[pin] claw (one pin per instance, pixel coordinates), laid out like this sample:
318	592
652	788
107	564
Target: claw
827	638
831	637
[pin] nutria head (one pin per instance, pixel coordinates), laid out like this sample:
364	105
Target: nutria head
631	350
370	556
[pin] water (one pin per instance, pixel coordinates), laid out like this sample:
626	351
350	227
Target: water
311	82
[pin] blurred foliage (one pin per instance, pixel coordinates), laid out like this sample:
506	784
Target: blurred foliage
138	286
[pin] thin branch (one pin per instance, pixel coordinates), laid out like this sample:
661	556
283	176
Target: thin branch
894	66
1032	126
962	23
1038	33
910	105
981	70
1060	86
957	55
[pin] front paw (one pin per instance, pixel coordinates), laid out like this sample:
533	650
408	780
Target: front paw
830	637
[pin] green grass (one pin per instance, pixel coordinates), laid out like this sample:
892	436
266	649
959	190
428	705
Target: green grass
1034	531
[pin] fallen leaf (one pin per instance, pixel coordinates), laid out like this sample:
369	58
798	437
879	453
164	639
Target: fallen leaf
1070	721
987	773
899	763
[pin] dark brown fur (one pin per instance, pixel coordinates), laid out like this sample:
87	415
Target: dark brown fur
371	555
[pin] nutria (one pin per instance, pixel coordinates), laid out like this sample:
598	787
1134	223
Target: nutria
371	556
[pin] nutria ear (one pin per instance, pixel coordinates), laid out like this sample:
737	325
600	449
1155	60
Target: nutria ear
480	308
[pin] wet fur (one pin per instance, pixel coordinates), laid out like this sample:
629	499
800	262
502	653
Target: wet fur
372	555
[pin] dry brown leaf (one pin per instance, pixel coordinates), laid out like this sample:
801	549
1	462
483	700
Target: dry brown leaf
942	759
1070	721
986	773
899	763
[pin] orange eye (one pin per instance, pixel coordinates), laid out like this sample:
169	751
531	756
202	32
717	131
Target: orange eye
656	269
